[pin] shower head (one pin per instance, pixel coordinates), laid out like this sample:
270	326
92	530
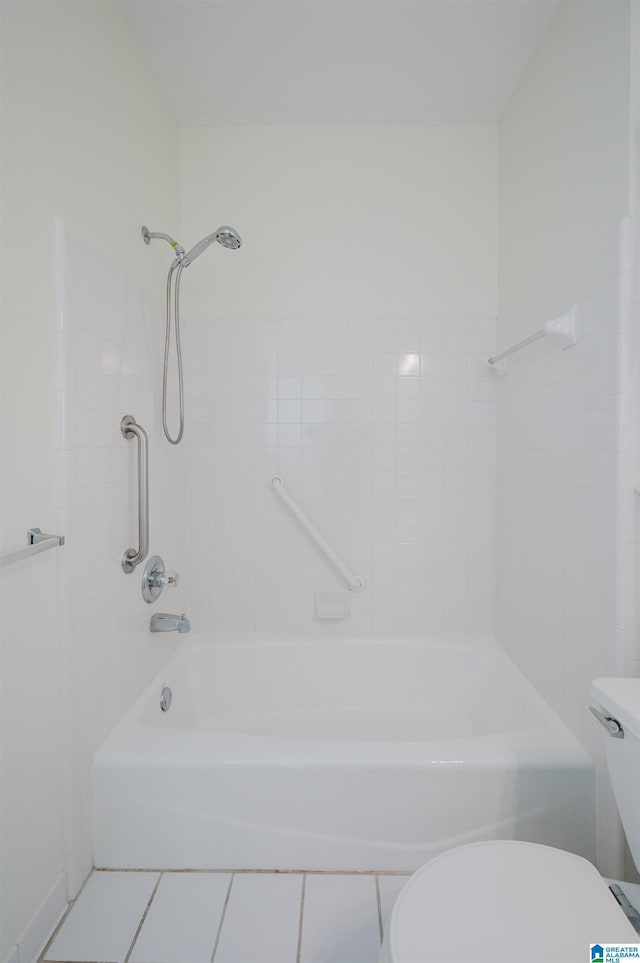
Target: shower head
228	238
224	235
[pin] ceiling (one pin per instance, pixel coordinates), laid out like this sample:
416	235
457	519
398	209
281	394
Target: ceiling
355	62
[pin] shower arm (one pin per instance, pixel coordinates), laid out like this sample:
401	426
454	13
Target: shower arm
148	236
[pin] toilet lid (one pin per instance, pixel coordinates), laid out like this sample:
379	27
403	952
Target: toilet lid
505	902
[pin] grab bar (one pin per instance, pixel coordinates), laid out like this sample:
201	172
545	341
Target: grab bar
563	329
355	582
132	557
37	541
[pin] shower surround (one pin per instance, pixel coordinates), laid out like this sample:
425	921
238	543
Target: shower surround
385	435
109	341
344	349
385	432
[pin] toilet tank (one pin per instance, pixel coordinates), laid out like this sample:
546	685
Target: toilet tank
620	699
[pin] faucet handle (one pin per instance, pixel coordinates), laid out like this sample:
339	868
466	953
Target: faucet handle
165	578
155	578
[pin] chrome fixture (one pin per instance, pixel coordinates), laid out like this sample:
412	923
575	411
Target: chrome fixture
148	236
132	557
224	235
612	725
166	697
37	541
227	237
164	622
626	906
155	577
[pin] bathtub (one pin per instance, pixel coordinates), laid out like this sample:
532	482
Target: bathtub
353	755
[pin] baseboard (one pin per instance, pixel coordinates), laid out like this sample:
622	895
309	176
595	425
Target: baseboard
42	925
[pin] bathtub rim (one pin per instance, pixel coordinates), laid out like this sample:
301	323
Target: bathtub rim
132	742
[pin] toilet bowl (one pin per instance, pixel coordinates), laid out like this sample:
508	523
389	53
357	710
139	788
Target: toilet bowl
509	901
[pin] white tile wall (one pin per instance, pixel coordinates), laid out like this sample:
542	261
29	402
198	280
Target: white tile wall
565	558
386	436
110	338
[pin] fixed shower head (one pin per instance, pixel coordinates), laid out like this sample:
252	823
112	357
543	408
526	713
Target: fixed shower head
224	235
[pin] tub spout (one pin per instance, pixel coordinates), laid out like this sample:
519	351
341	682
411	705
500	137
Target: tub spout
164	622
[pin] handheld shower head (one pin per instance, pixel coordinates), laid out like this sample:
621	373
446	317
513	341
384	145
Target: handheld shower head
228	238
224	235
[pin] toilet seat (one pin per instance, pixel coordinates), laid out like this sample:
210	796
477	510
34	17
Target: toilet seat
504	902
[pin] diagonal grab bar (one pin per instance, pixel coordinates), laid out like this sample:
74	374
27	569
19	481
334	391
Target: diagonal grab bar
355	582
497	358
563	329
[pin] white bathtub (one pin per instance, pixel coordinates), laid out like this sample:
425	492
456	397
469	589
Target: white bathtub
358	755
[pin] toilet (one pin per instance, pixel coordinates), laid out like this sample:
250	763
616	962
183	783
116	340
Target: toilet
507	901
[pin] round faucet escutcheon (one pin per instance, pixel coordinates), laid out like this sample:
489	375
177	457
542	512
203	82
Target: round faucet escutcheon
155	577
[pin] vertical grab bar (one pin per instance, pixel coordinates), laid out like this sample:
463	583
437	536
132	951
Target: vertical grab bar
132	557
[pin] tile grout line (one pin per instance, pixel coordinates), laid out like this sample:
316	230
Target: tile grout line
65	916
222	916
379	901
144	916
302	892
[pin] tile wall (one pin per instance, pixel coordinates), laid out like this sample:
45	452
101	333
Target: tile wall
109	337
385	434
565	553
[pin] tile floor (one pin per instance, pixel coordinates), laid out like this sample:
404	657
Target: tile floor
217	917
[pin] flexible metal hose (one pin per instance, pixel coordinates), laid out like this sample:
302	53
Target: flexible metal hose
167	340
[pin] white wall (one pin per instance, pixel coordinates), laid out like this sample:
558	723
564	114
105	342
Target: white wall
631	519
564	155
564	188
342	224
86	136
344	346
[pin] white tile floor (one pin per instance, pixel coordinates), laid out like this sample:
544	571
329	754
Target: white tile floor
198	917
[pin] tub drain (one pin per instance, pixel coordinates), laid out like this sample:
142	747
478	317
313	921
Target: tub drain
165	698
